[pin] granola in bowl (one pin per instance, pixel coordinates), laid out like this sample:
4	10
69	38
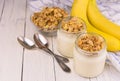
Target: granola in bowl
48	18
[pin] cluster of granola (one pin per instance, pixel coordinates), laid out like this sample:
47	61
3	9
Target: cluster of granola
75	25
90	43
49	18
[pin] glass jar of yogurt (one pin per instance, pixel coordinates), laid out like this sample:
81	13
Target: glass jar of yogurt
89	55
69	29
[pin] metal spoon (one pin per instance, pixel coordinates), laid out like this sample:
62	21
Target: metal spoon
42	43
28	44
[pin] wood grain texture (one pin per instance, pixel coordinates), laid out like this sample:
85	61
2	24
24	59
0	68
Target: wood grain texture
20	64
2	4
10	51
37	65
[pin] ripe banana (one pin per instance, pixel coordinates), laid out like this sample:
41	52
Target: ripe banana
79	9
101	22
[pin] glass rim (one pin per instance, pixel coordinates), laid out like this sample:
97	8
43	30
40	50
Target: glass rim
69	17
88	53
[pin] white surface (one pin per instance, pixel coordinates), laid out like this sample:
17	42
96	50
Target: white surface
18	64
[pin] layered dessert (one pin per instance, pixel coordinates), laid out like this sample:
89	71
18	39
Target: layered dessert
69	29
89	55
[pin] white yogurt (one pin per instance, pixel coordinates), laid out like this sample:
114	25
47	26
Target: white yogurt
66	40
89	66
65	43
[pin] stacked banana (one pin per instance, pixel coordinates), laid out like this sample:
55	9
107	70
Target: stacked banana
97	23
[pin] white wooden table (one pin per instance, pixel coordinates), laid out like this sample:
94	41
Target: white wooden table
19	64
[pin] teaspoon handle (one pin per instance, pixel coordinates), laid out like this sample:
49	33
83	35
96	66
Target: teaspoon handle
63	66
66	60
60	62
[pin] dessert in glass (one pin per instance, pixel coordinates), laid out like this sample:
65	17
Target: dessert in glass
68	31
89	55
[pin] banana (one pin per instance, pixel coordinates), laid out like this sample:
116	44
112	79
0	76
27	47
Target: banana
101	22
79	9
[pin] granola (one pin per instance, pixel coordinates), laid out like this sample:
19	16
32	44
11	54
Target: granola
90	43
49	18
74	25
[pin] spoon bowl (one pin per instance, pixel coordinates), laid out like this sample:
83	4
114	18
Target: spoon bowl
40	40
25	42
29	44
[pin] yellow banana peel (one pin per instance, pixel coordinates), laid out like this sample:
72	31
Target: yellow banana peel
100	21
79	9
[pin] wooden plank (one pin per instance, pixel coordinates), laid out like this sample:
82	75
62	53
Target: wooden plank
62	76
14	10
10	53
8	8
2	3
10	50
38	65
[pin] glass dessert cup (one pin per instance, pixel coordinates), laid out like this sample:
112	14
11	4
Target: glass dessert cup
87	63
65	39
